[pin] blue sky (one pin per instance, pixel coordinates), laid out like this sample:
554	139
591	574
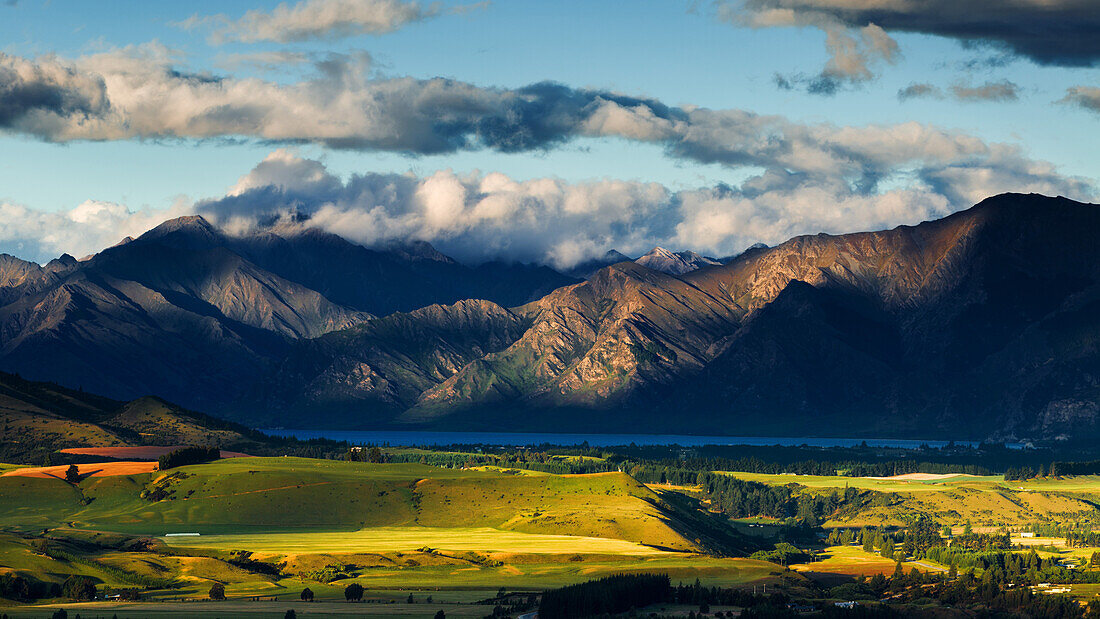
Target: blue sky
678	54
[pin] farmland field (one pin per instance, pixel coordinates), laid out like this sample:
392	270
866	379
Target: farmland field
407	539
460	534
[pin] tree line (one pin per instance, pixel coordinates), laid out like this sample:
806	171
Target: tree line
188	455
1054	469
605	596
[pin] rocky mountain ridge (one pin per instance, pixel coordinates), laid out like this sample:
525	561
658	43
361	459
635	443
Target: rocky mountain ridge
982	324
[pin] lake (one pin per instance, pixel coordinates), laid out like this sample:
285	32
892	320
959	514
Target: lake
521	439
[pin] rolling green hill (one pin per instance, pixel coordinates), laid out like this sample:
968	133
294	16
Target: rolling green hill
259	496
271	526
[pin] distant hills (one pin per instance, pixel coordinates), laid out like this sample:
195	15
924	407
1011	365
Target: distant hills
37	419
983	324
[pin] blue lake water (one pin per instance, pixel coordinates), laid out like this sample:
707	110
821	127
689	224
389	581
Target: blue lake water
518	439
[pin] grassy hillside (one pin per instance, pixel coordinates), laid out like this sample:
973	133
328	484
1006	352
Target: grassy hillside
268	495
38	419
981	500
272	526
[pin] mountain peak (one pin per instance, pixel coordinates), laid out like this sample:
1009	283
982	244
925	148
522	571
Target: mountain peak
674	263
586	269
190	231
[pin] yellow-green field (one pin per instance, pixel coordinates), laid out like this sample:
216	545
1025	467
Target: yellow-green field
870	483
457	533
407	539
987	501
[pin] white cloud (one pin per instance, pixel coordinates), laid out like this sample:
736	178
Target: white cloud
1086	97
316	20
85	229
136	93
480	217
485	216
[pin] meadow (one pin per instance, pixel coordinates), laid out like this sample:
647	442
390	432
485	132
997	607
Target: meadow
456	534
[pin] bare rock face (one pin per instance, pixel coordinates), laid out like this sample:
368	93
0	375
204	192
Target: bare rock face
973	325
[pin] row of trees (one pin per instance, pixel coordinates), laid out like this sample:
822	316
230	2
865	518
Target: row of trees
1055	469
188	455
610	595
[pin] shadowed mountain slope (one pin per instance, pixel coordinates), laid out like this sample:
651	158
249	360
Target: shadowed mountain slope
984	323
192	314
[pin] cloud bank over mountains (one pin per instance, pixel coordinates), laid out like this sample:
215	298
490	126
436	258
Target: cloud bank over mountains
488	216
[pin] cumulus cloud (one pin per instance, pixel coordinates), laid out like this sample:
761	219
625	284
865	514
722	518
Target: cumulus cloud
85	229
1087	97
1049	32
137	93
919	91
855	52
1003	90
477	217
43	96
316	20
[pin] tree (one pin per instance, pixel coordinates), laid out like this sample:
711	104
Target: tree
307	595
410	600
375	456
888	548
217	591
290	614
72	474
81	588
353	592
967	529
440	615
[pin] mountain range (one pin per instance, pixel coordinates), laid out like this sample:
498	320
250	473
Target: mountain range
983	324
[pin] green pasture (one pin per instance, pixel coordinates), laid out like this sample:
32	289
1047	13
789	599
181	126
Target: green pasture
404	539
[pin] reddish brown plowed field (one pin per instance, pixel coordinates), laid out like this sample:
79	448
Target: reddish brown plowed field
102	469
